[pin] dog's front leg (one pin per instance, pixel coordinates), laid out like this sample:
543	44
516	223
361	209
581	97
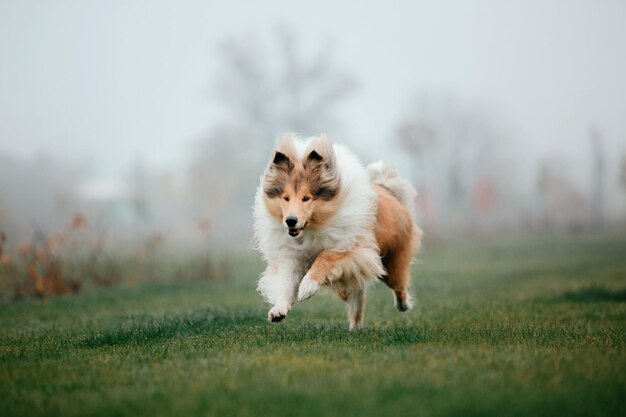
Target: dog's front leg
278	286
361	263
325	269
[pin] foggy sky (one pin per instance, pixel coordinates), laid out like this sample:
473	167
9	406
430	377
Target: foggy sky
118	81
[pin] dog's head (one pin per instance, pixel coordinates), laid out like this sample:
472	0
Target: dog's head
302	190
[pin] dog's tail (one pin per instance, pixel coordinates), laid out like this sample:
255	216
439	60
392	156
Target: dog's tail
386	176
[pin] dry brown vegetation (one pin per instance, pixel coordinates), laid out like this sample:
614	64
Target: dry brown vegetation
64	262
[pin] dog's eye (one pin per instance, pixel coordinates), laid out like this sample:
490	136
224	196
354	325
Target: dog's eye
286	198
306	198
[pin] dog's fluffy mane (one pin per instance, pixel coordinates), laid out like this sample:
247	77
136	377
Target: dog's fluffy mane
351	224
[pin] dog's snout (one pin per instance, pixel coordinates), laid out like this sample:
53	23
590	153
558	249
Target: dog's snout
291	221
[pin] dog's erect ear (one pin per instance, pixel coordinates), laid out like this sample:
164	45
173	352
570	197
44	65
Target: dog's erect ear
321	165
283	152
321	150
280	158
282	161
277	174
314	157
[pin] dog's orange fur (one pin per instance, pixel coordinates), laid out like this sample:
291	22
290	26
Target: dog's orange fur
322	269
314	212
296	179
398	239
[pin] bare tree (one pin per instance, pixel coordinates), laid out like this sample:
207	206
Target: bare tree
597	179
264	92
456	156
279	89
563	204
622	173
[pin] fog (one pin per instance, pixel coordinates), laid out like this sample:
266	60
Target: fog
149	118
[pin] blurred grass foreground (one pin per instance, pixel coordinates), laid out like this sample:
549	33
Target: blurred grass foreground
522	327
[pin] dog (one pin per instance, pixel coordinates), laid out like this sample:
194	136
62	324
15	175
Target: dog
324	220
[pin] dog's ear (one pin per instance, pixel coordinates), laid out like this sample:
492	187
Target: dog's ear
321	152
314	156
321	165
282	151
282	161
277	174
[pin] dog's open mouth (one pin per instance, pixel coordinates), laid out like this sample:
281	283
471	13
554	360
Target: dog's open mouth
297	231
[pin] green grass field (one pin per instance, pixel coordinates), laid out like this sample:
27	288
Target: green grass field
519	328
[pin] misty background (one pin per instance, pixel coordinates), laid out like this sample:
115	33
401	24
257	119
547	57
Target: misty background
149	122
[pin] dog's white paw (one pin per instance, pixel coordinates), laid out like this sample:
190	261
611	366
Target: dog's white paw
355	327
277	313
403	303
308	288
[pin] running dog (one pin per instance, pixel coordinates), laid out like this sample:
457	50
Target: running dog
323	219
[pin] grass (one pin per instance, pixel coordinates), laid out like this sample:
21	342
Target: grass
527	327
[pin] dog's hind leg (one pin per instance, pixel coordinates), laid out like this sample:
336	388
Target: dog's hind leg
398	277
399	284
397	262
356	307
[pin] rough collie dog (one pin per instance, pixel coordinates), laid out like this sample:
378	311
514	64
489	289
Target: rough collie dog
322	219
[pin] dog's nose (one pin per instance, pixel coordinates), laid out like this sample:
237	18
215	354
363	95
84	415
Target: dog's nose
291	221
